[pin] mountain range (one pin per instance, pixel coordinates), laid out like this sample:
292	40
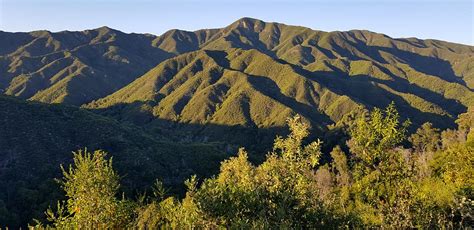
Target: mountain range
177	104
250	73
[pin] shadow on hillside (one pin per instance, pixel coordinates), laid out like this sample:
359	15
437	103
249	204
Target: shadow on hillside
270	89
401	85
364	89
37	138
424	64
370	90
257	140
428	65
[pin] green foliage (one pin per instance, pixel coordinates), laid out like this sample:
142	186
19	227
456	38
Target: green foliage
380	171
168	212
91	186
281	192
291	148
426	138
455	166
393	187
402	188
34	138
466	125
374	135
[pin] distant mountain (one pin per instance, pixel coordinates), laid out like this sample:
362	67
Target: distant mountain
36	138
250	74
255	74
74	67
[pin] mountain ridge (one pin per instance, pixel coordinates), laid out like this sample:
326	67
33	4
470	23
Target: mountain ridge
423	76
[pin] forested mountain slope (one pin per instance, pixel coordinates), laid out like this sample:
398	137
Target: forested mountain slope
78	67
35	138
75	67
256	74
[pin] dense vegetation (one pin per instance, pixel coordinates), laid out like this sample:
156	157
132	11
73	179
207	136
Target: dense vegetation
35	138
377	183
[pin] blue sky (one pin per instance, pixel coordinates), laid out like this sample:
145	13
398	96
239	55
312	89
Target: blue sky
450	20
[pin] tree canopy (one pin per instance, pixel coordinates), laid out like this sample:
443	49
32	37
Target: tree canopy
378	182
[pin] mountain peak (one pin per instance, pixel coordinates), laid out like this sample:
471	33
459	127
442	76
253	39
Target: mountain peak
105	29
247	23
248	19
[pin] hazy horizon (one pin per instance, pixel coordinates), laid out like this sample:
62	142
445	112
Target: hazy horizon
424	19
